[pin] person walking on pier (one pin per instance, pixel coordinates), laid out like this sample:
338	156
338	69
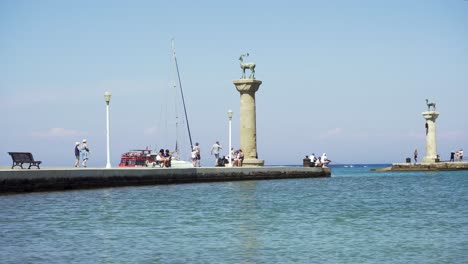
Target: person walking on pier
415	156
197	156
452	156
215	151
84	152
194	157
77	154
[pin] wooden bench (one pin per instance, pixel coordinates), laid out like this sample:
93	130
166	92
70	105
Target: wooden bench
23	157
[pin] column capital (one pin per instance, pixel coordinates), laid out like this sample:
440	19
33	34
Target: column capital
247	85
430	115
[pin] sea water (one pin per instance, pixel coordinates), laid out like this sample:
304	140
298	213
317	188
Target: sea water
356	216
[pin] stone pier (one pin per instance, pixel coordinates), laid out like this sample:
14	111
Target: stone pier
248	126
62	179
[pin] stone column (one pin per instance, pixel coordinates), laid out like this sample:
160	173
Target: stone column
431	147
248	125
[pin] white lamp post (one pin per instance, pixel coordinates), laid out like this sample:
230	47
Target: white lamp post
230	121
107	97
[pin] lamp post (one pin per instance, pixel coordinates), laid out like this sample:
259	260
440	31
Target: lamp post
107	97
230	121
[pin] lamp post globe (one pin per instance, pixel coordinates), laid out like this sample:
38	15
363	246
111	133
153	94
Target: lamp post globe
107	97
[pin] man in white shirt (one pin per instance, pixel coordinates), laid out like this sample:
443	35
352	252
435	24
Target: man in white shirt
215	151
312	157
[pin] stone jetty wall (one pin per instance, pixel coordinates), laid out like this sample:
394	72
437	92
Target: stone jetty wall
437	166
19	181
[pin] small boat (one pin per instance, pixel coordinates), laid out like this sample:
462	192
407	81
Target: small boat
147	158
137	158
175	162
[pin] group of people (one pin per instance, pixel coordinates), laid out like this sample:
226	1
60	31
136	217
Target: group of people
81	152
163	159
319	161
456	155
237	157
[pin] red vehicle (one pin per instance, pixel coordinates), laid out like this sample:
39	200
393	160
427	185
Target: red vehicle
136	158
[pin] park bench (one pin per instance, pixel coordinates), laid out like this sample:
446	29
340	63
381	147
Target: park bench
19	158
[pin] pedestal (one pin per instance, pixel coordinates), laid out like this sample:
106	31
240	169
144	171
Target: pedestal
431	146
248	126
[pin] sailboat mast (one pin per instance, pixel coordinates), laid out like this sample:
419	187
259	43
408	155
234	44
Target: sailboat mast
182	93
176	149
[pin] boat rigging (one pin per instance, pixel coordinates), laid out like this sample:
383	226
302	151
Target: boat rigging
182	94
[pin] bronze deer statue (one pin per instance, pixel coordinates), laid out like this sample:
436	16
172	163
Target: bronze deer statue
250	66
429	105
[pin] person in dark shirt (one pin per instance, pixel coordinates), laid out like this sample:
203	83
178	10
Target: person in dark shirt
452	156
77	154
167	159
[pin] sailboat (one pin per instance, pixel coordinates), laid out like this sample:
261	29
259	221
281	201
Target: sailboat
176	157
147	157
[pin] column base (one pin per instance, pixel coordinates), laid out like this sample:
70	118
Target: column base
429	160
253	163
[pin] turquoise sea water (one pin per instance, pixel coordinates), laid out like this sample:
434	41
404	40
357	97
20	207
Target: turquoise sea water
356	216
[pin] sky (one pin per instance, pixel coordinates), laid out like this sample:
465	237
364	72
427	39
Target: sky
348	78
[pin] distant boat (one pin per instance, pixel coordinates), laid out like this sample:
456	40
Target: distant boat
136	158
147	158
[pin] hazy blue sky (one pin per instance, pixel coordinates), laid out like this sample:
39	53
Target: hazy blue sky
348	78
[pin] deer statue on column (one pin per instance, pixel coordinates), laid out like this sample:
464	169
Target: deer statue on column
250	66
429	105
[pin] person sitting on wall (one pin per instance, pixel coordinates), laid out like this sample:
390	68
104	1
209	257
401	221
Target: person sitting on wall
167	159
221	162
313	159
239	158
317	162
324	160
234	158
160	159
